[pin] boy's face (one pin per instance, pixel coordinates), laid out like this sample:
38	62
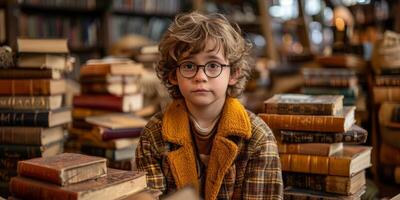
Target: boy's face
201	90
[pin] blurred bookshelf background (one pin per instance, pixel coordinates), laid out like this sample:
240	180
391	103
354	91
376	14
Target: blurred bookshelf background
341	47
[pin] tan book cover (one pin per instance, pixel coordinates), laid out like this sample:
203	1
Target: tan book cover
341	122
31	102
63	169
42	46
116	184
349	161
388	93
117	121
318	149
300	104
43	61
98	69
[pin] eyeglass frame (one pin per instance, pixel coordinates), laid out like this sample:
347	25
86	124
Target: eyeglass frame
204	69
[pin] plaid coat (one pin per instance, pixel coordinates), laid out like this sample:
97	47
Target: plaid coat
244	161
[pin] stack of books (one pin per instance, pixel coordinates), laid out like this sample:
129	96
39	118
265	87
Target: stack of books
107	87
74	176
311	132
32	112
115	137
386	94
331	81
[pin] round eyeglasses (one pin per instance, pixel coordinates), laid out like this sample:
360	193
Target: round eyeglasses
211	69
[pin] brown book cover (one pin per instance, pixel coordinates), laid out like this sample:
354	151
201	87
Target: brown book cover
24	151
117	121
42	46
324	183
109	79
349	161
19	73
98	69
300	104
116	184
126	103
323	123
117	89
43	61
30	135
317	149
32	87
30	102
389	155
82	113
63	169
336	82
36	118
342	60
387	80
388	93
291	193
93	140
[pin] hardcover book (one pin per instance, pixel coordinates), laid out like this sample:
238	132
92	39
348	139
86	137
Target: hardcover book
35	118
341	122
318	149
30	135
42	46
24	73
102	69
117	121
349	161
63	169
43	61
30	102
116	184
126	103
35	87
299	104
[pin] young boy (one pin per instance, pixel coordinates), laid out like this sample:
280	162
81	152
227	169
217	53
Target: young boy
206	138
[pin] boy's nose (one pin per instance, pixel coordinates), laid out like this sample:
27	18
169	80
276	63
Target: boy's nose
200	75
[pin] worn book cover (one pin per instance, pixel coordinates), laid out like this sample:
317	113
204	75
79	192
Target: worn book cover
59	46
349	161
126	103
24	73
299	104
341	122
43	61
318	149
117	121
63	169
30	135
101	69
38	118
34	87
30	102
116	184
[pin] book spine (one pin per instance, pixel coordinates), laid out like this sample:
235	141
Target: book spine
329	82
25	73
339	166
21	135
24	102
306	149
8	163
13	118
20	151
299	137
7	174
389	155
387	81
111	134
305	163
347	93
305	181
304	122
25	87
39	172
99	102
299	109
382	94
21	188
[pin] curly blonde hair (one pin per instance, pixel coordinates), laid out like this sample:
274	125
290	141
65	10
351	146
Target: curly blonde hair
189	33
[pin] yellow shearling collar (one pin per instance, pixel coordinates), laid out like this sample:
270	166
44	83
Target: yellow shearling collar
176	129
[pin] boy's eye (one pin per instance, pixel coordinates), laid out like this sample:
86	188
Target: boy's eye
188	66
213	65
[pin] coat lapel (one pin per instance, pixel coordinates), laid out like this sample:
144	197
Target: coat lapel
234	122
176	130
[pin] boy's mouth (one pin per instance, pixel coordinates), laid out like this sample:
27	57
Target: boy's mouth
200	90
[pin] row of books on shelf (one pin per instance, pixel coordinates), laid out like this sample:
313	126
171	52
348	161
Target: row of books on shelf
318	143
153	28
79	31
83	4
148	6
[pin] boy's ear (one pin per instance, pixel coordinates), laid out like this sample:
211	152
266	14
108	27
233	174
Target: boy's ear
234	77
172	78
